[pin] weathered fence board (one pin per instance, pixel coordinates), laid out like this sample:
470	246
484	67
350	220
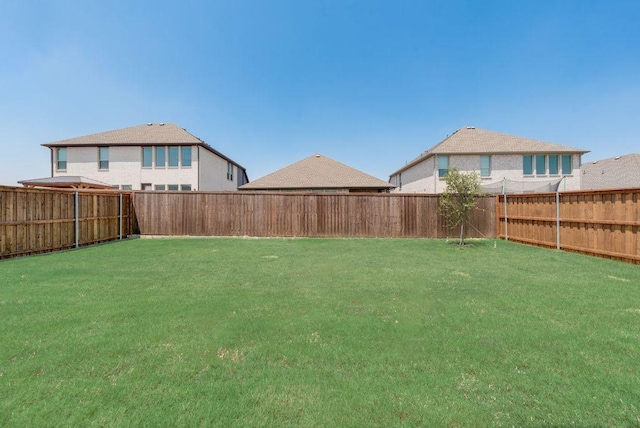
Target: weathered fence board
39	220
602	222
295	214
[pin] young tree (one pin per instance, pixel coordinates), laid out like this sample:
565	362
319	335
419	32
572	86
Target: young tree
459	198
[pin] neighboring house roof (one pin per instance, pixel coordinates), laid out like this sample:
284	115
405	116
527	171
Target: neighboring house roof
70	182
141	135
612	173
317	172
471	140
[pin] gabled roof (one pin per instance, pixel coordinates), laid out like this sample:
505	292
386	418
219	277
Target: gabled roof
471	140
317	172
141	135
612	173
68	181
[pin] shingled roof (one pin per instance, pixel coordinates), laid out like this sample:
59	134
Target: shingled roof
612	173
471	140
148	134
317	172
141	135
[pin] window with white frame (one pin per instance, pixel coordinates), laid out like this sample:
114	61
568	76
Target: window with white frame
485	166
147	160
229	171
567	168
103	157
61	158
185	156
541	167
443	165
174	155
553	164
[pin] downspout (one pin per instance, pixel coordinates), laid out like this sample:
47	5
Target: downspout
51	148
199	168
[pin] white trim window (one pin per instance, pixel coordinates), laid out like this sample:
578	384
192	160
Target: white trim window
443	166
485	166
103	158
61	159
229	171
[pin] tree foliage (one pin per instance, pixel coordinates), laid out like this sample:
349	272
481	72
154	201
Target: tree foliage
459	198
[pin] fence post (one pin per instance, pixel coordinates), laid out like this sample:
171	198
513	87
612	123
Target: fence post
76	219
506	219
120	217
557	220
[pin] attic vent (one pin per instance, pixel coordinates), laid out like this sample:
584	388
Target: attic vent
162	124
617	157
595	162
471	127
317	155
149	124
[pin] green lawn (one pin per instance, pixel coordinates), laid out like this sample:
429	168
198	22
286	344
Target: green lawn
318	332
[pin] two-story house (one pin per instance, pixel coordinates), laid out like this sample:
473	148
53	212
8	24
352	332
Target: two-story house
505	163
154	156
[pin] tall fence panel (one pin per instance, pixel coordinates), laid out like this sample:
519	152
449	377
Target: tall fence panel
38	220
600	222
295	214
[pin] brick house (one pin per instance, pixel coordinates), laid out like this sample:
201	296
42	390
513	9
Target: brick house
154	156
504	162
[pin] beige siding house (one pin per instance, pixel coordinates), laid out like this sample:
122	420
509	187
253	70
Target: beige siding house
318	174
614	173
154	156
505	163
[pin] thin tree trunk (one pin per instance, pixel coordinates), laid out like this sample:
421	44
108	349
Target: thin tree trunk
462	233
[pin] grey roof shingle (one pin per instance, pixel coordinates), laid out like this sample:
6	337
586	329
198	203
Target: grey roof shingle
317	172
612	173
142	135
151	133
471	140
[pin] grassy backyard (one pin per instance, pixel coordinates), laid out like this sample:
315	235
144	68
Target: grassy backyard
343	332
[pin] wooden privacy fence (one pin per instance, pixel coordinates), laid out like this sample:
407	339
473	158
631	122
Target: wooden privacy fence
602	223
36	221
295	214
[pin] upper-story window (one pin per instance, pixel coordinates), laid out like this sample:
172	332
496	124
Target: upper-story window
174	160
103	157
485	166
61	158
185	154
527	165
541	166
443	165
553	164
147	161
566	165
229	171
161	159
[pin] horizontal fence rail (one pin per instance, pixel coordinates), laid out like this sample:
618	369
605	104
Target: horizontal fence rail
38	220
295	214
601	222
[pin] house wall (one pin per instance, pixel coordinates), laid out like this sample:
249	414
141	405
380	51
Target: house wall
213	172
420	178
207	171
125	168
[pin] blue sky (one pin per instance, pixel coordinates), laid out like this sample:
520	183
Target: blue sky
369	83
